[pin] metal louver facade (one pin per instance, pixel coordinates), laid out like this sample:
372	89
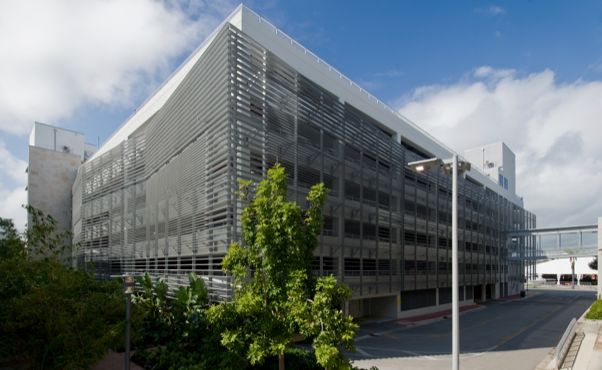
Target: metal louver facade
164	201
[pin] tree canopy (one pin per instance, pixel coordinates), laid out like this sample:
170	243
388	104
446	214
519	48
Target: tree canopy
276	294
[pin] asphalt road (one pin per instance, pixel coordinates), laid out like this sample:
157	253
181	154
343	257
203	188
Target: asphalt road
504	335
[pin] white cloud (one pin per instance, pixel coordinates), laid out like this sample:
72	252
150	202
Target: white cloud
12	166
10	204
12	187
493	10
58	55
554	130
392	73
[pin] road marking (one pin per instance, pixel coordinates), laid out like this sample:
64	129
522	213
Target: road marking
483	323
430	355
508	337
362	352
390	336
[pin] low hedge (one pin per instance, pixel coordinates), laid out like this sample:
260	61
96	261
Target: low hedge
595	312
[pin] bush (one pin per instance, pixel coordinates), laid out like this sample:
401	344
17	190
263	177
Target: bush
173	357
171	319
55	316
595	311
178	329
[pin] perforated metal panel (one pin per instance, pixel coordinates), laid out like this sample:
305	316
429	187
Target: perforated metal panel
164	201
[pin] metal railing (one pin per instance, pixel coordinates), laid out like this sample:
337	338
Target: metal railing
565	343
544	254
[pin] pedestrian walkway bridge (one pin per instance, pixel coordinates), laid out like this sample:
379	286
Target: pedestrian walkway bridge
525	245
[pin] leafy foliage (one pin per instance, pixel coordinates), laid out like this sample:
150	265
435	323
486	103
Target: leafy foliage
281	296
42	237
167	319
595	311
53	315
593	264
11	244
181	326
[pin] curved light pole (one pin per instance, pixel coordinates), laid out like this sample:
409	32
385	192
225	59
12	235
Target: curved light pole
450	167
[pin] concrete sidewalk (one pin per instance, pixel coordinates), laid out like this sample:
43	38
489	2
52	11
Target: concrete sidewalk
585	352
115	361
589	356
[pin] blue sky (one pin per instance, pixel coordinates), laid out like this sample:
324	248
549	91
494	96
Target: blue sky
528	73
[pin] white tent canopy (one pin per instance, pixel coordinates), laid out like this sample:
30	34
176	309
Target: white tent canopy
563	267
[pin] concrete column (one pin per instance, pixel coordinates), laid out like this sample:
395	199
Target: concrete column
599	256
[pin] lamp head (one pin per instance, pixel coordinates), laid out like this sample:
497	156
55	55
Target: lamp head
129	282
426	164
447	168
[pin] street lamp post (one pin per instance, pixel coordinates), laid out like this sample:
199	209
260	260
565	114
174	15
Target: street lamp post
447	166
129	282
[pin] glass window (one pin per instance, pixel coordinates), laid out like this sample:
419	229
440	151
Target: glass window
505	183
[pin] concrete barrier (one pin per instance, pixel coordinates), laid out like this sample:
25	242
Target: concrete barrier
565	343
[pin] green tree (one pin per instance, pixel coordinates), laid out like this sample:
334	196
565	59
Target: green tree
40	240
43	239
281	296
54	316
593	264
11	243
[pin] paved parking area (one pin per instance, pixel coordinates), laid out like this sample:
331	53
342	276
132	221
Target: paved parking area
510	334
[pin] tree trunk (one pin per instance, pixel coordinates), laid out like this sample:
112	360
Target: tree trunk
281	362
573	275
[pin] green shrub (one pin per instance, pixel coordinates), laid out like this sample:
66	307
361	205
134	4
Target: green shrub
171	319
55	316
59	318
174	357
595	311
178	329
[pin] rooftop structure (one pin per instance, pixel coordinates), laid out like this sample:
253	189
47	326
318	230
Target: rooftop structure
497	161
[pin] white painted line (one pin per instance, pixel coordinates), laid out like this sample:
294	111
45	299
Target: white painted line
579	296
421	356
362	352
444	355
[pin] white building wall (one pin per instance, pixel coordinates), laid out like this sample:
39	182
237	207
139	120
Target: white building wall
495	159
57	139
49	180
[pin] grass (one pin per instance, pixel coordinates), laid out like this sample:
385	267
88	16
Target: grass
595	312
